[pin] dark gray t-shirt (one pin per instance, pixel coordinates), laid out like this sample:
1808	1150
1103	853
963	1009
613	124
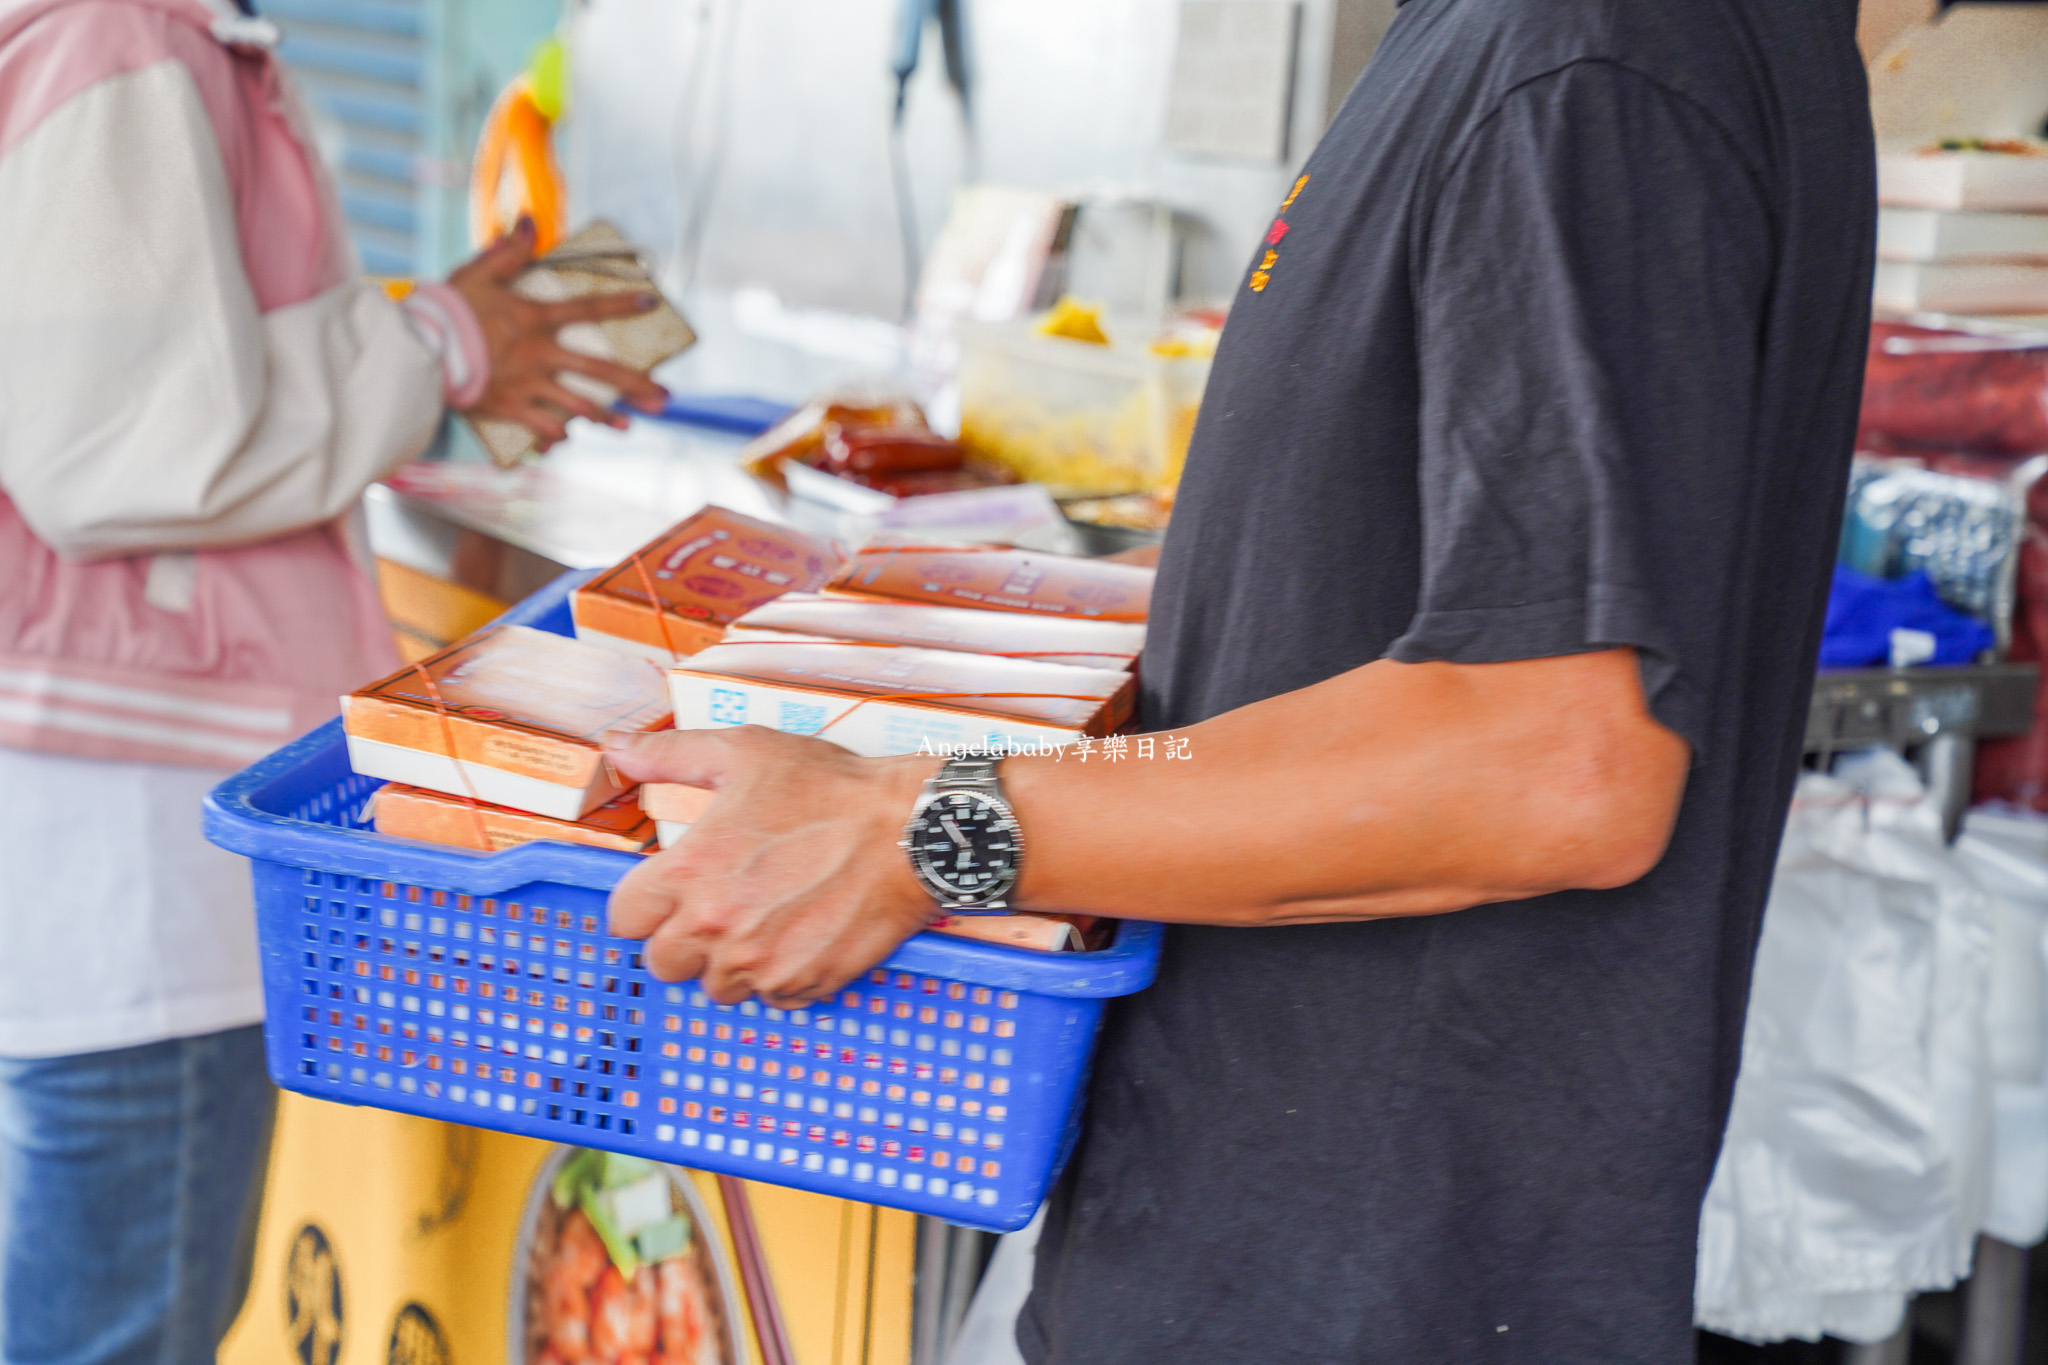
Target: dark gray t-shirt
1557	347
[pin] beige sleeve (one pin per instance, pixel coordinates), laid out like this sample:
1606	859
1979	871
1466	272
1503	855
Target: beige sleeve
145	403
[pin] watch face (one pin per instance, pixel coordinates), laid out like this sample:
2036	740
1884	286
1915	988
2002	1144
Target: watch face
966	845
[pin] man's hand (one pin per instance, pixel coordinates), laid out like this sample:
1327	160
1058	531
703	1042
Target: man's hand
527	361
792	884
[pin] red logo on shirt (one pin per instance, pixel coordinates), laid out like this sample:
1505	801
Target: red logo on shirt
1262	274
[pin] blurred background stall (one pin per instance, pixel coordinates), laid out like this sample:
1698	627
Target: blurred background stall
1018	224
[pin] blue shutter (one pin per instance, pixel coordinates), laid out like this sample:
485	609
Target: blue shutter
407	82
363	64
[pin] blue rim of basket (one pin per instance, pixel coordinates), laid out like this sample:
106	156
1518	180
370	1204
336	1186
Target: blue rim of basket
236	821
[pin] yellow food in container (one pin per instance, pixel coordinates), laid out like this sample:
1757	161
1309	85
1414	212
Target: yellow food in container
1084	418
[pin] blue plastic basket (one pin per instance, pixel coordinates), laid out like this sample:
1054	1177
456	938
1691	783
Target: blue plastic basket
483	990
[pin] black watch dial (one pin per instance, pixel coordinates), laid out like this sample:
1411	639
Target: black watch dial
966	846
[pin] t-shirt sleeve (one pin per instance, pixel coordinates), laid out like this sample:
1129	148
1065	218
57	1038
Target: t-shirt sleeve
1591	281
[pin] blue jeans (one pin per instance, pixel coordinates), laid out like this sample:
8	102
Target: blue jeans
129	1182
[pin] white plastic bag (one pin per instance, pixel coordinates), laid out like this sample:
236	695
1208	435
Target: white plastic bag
2007	855
1856	1165
988	1334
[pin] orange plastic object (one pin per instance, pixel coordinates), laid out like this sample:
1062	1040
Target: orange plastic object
801	435
515	174
887	450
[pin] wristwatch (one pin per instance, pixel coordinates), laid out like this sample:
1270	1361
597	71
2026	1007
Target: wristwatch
963	838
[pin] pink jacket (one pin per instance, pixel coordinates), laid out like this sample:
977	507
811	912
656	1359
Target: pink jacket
195	390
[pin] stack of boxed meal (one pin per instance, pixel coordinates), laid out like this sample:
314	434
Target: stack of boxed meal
898	648
498	739
1963	227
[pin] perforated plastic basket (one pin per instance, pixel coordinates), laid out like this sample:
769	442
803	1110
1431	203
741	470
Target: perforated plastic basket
484	990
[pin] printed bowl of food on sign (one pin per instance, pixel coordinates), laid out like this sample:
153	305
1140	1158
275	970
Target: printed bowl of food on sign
618	1263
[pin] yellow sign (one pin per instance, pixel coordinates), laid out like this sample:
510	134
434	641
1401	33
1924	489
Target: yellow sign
416	1339
312	1298
466	1247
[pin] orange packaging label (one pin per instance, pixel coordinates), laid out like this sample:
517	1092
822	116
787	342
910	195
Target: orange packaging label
707	572
518	699
1000	580
413	813
523	754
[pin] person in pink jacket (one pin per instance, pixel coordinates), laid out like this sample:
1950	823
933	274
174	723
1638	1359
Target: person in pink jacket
196	387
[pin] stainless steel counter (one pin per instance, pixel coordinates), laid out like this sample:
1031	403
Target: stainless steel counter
595	499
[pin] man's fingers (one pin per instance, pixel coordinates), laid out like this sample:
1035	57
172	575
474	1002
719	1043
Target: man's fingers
649	905
791	999
695	758
632	385
768	898
676	960
726	982
644	899
594	308
787	971
811	967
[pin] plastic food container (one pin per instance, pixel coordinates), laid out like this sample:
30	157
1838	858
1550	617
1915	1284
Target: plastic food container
1080	418
1963	532
1985	391
482	989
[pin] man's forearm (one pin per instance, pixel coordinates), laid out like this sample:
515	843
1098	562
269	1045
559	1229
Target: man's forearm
1396	789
